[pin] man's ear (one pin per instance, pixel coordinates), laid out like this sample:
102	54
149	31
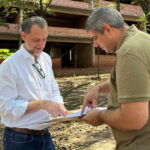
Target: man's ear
23	35
107	28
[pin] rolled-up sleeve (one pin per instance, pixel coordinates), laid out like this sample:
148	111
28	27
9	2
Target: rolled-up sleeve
10	106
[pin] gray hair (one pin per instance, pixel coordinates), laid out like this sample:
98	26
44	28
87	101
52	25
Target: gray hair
35	20
104	15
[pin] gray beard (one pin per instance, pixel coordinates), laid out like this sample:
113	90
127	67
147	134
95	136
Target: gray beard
33	53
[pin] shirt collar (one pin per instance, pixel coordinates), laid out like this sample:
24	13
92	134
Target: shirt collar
126	35
26	54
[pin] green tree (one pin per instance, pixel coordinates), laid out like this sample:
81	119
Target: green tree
145	4
9	7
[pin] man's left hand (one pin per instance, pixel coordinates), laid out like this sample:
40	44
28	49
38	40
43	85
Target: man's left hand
92	118
65	111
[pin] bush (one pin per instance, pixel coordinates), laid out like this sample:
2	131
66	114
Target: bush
5	53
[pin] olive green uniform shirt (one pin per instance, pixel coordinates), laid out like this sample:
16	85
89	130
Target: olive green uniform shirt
130	82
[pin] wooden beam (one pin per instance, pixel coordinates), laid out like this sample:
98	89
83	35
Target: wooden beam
9	36
69	39
51	38
131	18
71	10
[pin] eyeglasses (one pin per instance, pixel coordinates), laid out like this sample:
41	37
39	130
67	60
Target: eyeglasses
37	66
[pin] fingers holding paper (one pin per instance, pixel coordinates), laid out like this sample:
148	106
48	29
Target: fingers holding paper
92	118
64	110
90	99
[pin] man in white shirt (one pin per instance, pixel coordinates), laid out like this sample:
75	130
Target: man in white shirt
29	94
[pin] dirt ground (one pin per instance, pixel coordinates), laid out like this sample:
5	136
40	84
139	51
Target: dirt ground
78	135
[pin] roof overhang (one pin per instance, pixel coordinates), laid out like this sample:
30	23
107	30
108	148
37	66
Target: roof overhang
51	38
70	10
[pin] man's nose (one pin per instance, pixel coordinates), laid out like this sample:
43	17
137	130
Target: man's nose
41	44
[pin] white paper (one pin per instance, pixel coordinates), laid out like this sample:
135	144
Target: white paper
76	115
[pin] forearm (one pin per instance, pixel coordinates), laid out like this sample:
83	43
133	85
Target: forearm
120	121
53	108
115	119
34	105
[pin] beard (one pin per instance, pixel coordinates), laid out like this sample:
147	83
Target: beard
32	52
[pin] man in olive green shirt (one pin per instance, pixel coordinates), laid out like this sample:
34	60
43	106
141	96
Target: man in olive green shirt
129	84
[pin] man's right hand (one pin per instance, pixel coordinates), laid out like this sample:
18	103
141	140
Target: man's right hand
53	108
90	99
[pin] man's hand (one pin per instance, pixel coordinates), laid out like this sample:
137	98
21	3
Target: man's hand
63	108
55	109
90	99
131	116
92	118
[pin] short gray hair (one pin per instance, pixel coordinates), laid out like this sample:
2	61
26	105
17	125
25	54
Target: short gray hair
35	20
104	15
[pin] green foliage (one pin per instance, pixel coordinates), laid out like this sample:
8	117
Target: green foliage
95	3
3	22
36	7
5	53
135	2
145	20
117	4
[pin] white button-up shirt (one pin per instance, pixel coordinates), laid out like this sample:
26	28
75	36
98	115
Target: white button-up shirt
20	83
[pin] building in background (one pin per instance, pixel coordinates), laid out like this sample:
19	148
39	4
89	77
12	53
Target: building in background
68	43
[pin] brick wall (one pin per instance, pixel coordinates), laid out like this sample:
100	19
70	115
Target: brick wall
68	32
126	9
106	61
10	28
72	32
56	63
84	57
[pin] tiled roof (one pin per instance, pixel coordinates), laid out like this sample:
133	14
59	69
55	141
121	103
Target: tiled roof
130	10
126	9
70	3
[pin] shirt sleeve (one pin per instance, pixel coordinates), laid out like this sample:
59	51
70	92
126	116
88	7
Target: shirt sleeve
10	106
56	96
132	78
